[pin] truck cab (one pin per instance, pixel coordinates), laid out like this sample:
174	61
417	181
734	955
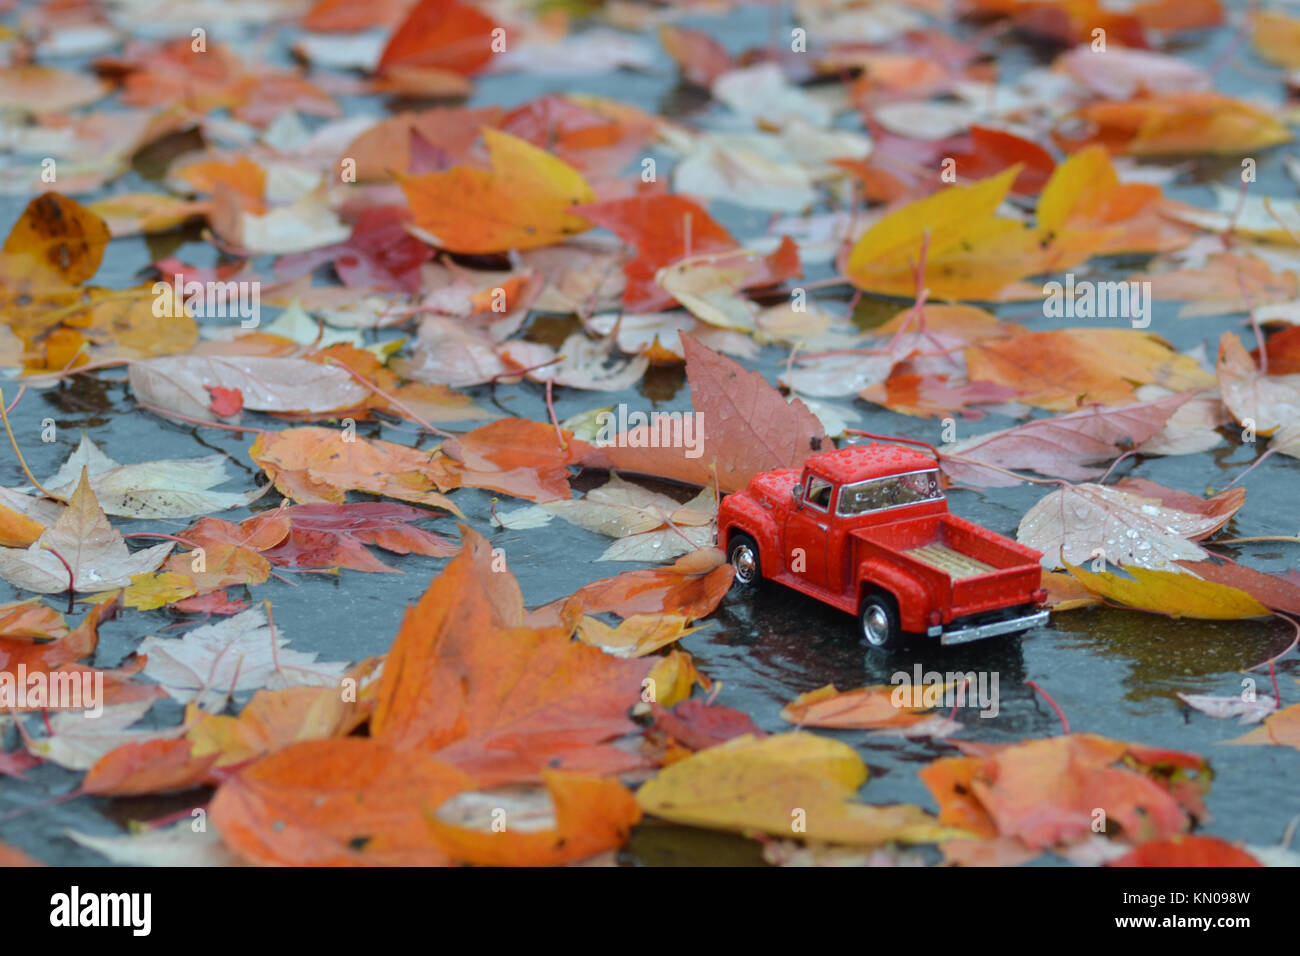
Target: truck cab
867	529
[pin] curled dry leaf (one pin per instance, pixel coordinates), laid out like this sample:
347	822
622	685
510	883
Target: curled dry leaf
317	466
639	635
587	815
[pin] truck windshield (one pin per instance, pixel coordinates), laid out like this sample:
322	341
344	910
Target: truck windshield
879	494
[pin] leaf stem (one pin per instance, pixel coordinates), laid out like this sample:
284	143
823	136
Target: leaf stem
21	460
167	413
1065	724
391	400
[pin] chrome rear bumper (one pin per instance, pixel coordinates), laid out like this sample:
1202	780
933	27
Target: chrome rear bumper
977	632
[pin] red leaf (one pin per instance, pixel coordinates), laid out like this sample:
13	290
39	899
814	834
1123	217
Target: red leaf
225	401
993	150
698	725
442	34
1186	851
664	229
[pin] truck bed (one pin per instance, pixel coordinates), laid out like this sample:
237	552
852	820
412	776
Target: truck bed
973	571
943	558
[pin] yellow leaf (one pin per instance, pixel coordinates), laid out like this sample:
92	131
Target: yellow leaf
972	254
639	635
16	529
150	591
1172	593
271	720
1277	38
790	785
55	242
673	678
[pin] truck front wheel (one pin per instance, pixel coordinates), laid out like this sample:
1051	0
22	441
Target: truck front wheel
879	620
742	552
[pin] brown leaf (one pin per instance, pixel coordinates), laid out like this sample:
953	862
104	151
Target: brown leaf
748	428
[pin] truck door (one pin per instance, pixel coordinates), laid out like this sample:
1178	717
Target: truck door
806	532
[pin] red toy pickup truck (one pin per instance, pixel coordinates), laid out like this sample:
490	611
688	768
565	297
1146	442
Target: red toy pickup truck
867	529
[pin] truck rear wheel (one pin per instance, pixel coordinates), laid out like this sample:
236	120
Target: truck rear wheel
879	620
742	552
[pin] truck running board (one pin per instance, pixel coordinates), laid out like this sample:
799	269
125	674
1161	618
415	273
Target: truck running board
976	632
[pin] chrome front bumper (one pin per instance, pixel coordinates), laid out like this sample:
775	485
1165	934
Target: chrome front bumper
977	632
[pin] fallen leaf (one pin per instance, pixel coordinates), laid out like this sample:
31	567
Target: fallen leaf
970	252
1063	446
748	428
236	654
1174	593
1173	124
95	552
1191	850
1042	793
764	783
499	702
588	815
1264	402
177	845
527	200
1065	368
441	34
338	802
1076	523
1250	711
155	489
319	466
863	709
179	384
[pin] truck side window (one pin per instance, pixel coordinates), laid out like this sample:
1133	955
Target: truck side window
819	493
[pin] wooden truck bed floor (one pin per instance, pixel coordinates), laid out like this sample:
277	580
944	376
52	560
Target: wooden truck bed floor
953	563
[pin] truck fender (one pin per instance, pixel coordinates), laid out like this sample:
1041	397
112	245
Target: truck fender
742	514
913	601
